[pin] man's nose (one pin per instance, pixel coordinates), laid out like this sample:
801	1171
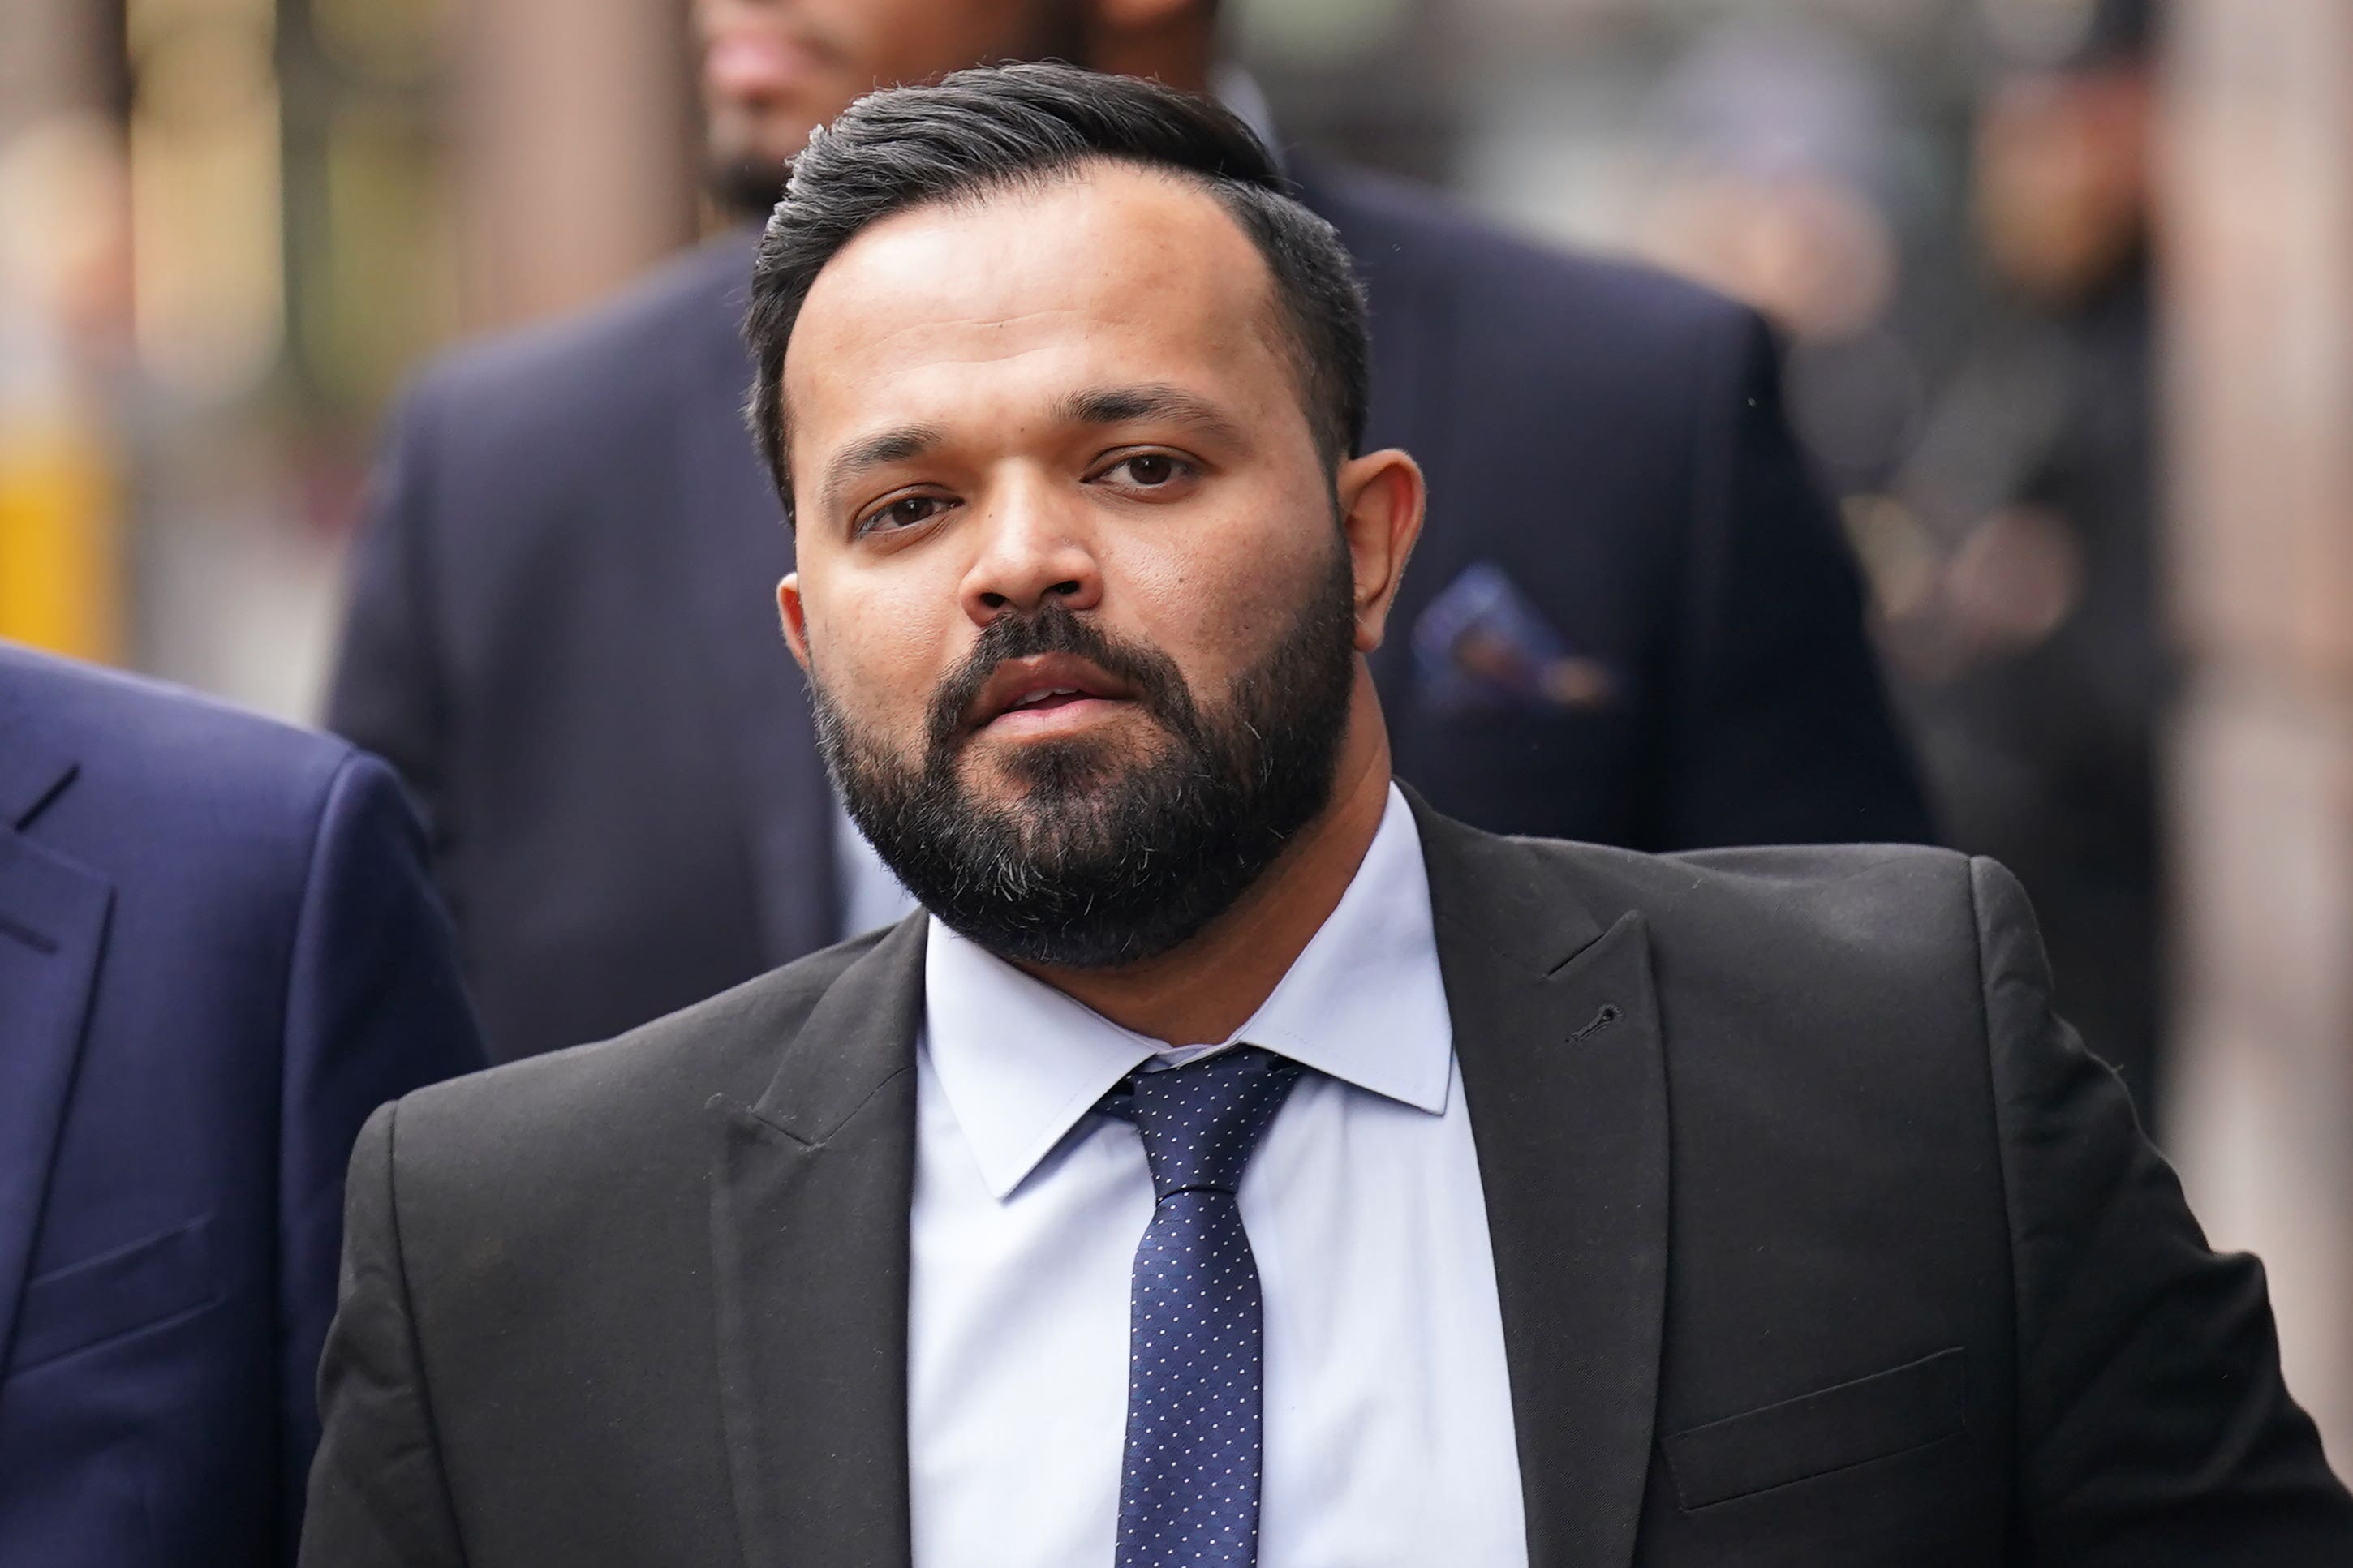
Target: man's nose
1035	547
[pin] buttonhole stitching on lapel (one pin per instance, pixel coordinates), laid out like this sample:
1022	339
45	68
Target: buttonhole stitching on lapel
1610	1013
38	941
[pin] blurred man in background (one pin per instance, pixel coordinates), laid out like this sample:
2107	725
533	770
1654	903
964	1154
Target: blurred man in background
220	952
1632	619
2039	663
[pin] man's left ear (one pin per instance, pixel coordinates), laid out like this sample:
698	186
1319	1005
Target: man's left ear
1381	500
795	621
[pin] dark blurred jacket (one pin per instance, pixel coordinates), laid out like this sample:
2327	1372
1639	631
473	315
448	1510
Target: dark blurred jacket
1632	618
2044	754
220	952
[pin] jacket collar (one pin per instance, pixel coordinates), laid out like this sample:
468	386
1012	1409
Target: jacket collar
1557	1030
53	914
34	766
809	1215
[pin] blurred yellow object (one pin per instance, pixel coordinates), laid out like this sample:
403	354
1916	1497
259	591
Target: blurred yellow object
60	561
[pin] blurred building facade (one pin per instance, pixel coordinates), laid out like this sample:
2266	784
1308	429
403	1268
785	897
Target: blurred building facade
230	228
2258	190
61	250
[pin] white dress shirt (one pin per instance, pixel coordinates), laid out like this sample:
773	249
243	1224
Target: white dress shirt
1388	1435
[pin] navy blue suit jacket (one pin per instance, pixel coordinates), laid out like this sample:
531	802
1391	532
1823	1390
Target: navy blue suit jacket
220	952
563	632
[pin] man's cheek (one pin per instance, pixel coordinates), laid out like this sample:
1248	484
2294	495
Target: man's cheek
866	654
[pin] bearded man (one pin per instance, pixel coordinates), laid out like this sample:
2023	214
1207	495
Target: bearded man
1237	1162
1636	620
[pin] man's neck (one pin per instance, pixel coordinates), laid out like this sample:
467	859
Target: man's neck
1202	992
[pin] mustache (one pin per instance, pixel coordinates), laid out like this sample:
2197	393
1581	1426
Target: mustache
1150	675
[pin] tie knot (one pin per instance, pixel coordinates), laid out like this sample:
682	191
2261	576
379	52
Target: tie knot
1200	1123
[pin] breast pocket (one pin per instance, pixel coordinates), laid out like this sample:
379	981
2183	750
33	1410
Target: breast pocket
1837	1428
119	1292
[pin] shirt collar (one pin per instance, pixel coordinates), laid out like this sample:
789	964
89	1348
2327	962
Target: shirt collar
1020	1063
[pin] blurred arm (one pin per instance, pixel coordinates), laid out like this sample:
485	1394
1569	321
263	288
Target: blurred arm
2154	1426
378	1495
374	1009
1780	726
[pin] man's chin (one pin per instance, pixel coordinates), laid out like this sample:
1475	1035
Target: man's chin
1053	775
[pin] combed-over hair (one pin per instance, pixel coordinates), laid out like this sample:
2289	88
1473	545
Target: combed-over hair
996	127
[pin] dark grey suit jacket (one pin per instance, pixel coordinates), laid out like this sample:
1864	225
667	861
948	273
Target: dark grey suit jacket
1819	1241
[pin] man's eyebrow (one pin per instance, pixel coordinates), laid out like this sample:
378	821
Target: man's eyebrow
1096	405
1121	405
871	452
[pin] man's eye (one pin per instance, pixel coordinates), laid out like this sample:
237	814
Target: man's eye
904	512
1150	470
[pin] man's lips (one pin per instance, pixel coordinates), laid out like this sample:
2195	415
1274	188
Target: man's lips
1044	693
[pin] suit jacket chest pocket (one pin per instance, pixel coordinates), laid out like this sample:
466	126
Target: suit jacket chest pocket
117	1293
1832	1429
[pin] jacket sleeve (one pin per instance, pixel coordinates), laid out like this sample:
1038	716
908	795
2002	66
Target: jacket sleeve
374	1009
2154	1425
378	1498
388	695
1777	729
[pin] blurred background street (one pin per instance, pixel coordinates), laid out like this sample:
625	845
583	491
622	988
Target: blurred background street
2066	287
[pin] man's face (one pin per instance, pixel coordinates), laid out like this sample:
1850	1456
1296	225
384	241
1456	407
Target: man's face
2062	180
1074	587
773	69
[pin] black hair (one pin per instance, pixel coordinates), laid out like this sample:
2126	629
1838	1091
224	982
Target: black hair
996	127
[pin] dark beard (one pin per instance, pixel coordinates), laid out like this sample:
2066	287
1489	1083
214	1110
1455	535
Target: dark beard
746	187
1110	858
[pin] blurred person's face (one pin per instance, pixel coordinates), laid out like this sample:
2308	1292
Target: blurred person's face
2061	181
1081	601
774	70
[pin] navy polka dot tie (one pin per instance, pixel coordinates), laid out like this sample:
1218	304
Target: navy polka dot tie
1188	1489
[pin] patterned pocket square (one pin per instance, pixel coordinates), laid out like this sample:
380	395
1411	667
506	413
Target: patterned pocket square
1481	648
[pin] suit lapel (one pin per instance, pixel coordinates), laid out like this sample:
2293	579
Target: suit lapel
1557	1028
809	1213
52	927
734	546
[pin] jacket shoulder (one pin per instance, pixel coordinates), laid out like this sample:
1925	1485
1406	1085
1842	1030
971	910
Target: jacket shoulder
159	749
1795	988
541	1131
182	802
1868	921
1397	228
598	356
1885	907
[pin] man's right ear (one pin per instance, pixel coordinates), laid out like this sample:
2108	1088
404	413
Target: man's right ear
795	624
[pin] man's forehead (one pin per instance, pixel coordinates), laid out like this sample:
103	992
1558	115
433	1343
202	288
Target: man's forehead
1116	259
